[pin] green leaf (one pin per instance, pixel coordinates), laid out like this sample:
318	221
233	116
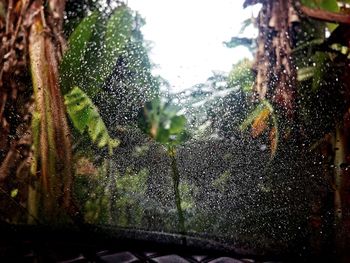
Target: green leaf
163	135
162	122
316	72
328	5
71	68
103	56
90	77
305	73
177	124
14	193
332	6
310	44
319	69
85	117
118	32
331	26
94	48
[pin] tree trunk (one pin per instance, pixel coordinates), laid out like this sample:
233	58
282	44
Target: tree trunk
36	142
276	73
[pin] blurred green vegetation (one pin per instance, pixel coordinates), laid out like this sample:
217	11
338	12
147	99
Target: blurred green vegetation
222	110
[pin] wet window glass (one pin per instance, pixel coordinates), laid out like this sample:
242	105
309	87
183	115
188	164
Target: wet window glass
223	120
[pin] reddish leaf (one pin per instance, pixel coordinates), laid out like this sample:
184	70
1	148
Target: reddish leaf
260	122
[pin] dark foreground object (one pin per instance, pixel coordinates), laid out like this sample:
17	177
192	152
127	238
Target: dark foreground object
103	244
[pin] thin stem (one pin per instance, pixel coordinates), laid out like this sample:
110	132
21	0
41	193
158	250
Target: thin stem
176	181
112	191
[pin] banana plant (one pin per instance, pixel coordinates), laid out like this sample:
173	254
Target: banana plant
94	47
162	122
86	118
93	50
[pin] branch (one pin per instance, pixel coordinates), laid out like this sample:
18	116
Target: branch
8	16
325	15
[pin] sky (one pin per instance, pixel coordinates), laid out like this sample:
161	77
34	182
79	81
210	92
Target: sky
188	37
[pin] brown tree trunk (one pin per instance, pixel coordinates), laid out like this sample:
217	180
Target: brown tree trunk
274	66
34	43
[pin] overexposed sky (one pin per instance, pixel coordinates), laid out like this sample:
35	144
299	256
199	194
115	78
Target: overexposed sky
187	37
